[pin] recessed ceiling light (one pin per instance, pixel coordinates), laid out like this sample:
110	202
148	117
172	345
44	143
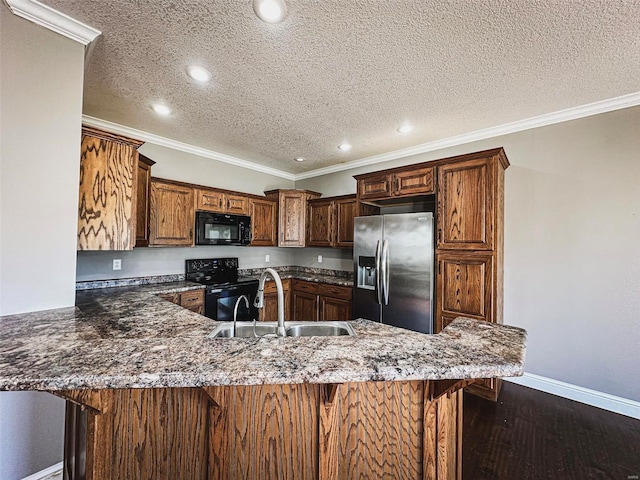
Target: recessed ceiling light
161	109
299	159
406	128
199	74
270	11
345	147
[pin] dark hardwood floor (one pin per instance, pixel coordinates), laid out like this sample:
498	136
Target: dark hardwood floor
529	434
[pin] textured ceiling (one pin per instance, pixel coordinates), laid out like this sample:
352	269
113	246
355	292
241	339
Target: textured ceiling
339	70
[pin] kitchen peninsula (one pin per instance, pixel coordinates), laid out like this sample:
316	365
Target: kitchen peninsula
149	395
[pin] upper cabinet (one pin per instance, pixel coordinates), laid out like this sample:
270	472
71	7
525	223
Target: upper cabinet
108	191
171	216
264	215
330	221
143	200
213	200
398	182
292	215
467	204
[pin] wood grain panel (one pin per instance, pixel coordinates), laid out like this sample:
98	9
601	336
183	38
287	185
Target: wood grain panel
413	181
263	222
272	433
107	192
381	430
334	309
465	284
210	200
172	218
346	210
305	306
374	187
320	223
143	192
465	205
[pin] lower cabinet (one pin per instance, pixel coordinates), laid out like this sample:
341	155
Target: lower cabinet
192	300
269	313
318	301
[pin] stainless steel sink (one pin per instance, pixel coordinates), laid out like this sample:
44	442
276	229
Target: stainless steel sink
294	329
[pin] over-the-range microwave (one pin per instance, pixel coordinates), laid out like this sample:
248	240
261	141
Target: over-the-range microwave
222	229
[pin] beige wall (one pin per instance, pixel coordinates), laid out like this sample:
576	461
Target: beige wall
572	245
40	118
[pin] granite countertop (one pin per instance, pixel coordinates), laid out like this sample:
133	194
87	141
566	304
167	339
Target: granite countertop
128	337
309	274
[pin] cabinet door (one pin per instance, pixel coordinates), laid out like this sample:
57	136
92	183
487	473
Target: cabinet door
269	313
263	222
106	211
142	201
413	182
320	223
171	214
374	187
305	306
210	200
345	211
334	309
292	219
193	300
464	286
466	205
237	204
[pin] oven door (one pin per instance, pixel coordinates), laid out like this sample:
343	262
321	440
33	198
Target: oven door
220	302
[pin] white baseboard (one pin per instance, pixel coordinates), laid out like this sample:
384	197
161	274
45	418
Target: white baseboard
620	405
44	474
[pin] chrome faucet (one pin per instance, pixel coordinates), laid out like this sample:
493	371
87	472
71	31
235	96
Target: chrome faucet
259	301
235	310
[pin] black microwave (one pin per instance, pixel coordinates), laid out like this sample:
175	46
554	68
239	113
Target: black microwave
222	229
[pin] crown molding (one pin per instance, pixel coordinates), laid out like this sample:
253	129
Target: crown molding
560	116
58	22
180	146
566	115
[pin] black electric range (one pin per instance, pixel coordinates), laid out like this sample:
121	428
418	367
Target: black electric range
224	288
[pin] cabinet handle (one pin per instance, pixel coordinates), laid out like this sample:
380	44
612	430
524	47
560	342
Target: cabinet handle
439	235
220	203
228	204
191	233
439	267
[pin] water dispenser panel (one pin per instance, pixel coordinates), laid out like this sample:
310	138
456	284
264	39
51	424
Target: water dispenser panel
366	273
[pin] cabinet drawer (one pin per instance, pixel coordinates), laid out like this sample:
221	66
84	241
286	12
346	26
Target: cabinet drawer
192	299
336	291
270	286
306	287
210	200
414	182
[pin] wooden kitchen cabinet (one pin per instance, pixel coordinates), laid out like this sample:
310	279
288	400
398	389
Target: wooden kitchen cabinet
191	300
269	313
398	182
331	221
292	215
467	198
221	201
143	200
464	283
107	191
318	301
264	216
171	214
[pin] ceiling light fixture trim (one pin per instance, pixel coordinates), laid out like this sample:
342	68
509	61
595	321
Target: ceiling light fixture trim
406	128
344	147
299	159
161	109
53	20
270	11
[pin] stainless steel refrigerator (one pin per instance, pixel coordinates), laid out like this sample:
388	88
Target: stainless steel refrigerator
393	270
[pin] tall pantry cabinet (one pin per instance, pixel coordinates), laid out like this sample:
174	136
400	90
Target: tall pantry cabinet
470	244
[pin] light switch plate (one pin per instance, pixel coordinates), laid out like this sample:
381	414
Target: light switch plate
117	264
267	258
319	258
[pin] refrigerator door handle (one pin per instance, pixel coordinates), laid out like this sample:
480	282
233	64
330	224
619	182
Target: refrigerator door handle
378	274
384	264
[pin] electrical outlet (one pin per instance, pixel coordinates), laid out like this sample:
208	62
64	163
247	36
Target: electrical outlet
267	258
319	258
117	264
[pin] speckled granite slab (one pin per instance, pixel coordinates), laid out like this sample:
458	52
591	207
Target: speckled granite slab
309	274
128	337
